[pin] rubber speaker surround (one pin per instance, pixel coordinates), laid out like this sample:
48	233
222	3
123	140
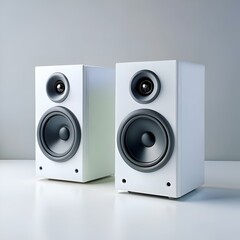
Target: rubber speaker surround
59	134
145	140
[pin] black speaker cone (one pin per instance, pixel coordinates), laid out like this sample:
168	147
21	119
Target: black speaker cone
145	86
57	87
145	140
59	134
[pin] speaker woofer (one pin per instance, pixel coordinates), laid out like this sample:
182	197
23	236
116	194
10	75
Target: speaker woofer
57	87
145	140
145	86
59	134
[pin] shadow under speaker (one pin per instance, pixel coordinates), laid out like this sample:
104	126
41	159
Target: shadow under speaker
159	127
74	122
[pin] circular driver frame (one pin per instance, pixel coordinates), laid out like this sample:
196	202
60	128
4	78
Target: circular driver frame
161	152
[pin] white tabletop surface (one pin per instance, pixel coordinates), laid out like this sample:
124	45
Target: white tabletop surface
47	209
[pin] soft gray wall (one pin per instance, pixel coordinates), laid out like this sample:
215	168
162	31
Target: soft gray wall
103	32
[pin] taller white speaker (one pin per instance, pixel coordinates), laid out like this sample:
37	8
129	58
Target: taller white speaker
74	122
159	127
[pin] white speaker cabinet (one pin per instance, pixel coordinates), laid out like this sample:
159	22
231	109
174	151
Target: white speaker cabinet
159	127
74	122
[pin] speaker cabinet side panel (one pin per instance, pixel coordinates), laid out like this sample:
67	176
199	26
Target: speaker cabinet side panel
191	117
65	170
99	122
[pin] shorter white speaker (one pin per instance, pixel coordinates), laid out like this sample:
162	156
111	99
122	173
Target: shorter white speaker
159	127
74	122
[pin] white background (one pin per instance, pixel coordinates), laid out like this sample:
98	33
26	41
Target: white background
51	32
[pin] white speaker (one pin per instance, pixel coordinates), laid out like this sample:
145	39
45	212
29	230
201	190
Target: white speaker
74	122
159	127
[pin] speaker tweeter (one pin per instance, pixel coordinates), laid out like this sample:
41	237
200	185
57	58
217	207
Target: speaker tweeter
57	87
145	86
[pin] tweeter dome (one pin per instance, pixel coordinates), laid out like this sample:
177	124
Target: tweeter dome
74	122
159	127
